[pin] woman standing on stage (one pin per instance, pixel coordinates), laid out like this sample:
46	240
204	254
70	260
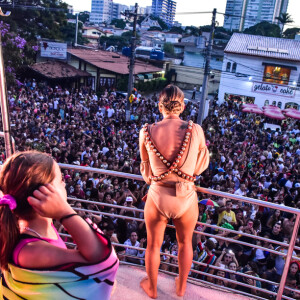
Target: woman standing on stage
172	152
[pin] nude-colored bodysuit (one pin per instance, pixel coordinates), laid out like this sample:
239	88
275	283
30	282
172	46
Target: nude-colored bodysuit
167	137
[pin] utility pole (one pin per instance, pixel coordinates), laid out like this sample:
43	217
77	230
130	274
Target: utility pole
131	64
207	69
76	31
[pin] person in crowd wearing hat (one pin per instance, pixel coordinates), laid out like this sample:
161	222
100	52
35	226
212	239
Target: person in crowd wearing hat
219	177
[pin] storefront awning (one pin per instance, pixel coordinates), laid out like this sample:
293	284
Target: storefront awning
279	65
148	76
140	76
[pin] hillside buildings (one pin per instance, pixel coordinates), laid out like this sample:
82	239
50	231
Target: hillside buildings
101	11
261	70
165	9
242	14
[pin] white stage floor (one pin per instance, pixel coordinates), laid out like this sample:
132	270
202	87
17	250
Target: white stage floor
128	288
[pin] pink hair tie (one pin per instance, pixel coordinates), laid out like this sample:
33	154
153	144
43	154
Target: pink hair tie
8	200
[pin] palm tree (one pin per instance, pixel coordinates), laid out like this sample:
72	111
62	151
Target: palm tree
283	19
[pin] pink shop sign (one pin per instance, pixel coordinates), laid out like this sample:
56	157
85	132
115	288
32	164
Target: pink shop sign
273	89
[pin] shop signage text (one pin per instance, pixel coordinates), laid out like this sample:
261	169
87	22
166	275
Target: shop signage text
274	89
54	50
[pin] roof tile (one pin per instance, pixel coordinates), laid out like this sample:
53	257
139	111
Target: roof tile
112	61
265	46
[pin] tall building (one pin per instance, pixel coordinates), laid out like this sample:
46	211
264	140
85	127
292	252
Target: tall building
242	14
101	11
117	9
165	9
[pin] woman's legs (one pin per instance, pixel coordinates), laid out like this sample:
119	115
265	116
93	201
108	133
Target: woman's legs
185	226
155	225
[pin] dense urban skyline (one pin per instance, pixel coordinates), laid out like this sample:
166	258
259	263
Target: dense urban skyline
191	6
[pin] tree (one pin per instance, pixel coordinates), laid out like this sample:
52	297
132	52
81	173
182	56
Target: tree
192	30
84	16
169	48
161	23
69	31
154	28
33	23
290	33
16	53
119	23
116	41
265	29
284	19
176	29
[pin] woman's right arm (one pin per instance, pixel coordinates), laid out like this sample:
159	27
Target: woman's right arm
49	203
203	154
145	164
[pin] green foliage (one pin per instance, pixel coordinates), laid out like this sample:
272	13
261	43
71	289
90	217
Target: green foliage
290	33
161	23
140	19
33	22
119	23
176	29
153	28
169	48
265	29
116	41
192	30
69	33
84	16
285	18
150	86
128	34
205	28
122	83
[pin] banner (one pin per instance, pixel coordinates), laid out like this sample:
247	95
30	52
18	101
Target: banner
54	50
273	89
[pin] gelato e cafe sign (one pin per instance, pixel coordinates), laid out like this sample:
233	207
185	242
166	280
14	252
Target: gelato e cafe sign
274	89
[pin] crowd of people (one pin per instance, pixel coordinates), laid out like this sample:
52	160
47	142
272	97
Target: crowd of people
80	127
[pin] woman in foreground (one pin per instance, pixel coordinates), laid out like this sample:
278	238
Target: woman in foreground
35	262
173	152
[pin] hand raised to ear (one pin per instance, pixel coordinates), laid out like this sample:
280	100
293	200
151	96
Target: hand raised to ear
48	202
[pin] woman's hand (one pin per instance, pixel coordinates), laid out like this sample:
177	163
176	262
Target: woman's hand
50	202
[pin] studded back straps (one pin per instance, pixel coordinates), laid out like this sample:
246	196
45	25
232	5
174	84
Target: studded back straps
172	166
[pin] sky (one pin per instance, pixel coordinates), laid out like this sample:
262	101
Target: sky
190	6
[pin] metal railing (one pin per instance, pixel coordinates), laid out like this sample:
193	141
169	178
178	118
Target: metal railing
288	256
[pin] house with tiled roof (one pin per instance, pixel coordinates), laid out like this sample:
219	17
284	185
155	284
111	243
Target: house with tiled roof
261	70
107	68
59	72
92	33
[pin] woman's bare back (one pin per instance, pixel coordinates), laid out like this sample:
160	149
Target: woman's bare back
168	135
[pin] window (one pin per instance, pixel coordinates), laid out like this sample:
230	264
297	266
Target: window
280	75
279	104
291	105
233	68
266	103
228	67
274	103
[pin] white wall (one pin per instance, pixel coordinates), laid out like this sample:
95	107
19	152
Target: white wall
252	66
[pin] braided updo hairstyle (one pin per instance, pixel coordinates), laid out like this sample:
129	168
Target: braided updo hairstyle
171	99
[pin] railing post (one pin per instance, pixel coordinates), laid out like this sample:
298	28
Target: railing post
288	259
